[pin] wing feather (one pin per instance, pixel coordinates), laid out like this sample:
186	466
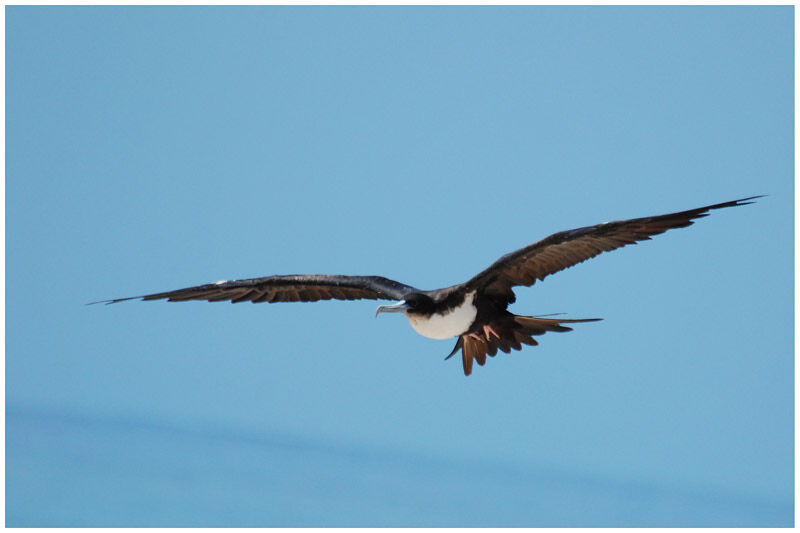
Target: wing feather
567	248
294	288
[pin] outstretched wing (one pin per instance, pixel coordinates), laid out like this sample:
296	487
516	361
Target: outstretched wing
567	248
296	288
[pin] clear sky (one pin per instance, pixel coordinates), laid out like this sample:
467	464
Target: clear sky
150	149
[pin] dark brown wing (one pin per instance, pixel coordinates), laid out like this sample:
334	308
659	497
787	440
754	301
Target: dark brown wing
568	248
299	288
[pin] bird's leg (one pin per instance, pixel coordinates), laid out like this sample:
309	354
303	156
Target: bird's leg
487	329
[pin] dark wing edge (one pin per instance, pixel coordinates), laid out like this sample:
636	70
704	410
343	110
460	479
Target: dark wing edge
568	248
293	288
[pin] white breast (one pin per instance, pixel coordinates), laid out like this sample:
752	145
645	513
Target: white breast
453	323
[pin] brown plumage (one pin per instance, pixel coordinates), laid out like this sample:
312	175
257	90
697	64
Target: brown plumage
542	258
512	332
474	312
567	248
294	288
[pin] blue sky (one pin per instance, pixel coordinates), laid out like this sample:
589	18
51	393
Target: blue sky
150	149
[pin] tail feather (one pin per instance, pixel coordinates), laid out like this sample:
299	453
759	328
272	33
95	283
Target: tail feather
467	355
480	355
513	331
459	344
539	326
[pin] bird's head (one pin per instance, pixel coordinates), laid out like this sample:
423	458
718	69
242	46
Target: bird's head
414	303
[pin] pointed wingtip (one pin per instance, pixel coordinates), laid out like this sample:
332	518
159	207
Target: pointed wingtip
703	212
744	201
752	199
109	302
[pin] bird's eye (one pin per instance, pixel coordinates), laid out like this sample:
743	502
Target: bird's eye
412	301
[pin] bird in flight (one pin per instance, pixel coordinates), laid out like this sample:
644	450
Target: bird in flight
475	312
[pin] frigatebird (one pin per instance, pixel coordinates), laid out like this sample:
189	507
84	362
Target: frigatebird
475	311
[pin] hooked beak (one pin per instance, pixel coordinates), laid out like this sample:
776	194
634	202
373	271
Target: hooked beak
396	308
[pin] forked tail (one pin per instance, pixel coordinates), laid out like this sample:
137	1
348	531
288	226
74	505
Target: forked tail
506	333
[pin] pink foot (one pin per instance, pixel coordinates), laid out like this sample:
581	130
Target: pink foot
475	336
487	329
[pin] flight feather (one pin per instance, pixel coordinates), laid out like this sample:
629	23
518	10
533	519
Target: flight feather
294	288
